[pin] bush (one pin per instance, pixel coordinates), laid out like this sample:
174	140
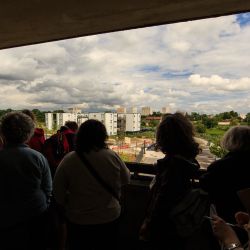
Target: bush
217	150
200	128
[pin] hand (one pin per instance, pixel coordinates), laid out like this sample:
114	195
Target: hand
223	232
243	219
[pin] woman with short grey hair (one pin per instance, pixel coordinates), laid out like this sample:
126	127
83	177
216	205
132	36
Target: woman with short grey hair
25	186
237	139
230	174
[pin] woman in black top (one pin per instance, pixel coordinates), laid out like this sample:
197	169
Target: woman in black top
173	179
230	174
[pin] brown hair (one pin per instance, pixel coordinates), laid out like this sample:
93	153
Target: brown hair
30	114
175	136
91	135
16	127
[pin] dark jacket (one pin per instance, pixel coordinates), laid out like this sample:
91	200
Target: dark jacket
222	181
172	181
25	184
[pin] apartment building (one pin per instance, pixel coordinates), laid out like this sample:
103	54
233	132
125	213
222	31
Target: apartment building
113	122
133	122
166	110
132	110
109	119
121	110
56	120
75	110
146	111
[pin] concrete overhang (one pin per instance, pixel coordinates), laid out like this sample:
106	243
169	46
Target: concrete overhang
25	22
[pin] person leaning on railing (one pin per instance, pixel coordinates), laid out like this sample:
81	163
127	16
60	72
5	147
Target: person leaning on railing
91	209
225	177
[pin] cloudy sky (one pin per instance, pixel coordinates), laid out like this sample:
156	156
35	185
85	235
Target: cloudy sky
201	66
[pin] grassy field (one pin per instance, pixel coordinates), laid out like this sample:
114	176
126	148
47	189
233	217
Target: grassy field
215	132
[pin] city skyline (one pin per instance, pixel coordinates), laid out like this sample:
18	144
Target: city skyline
200	66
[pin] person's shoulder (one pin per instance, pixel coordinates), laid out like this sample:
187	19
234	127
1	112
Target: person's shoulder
34	154
110	155
221	163
105	152
71	156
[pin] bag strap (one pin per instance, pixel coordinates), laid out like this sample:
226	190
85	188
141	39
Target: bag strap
94	173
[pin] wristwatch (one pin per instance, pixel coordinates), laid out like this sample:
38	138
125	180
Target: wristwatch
233	246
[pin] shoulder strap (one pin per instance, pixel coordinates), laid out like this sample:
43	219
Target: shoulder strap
94	173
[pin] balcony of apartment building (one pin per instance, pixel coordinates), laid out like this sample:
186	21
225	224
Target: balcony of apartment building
30	22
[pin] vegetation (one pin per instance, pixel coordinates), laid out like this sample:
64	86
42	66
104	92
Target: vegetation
127	157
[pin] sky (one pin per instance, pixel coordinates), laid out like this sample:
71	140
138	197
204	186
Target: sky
198	66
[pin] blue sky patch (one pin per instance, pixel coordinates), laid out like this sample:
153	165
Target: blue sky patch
243	19
176	74
150	68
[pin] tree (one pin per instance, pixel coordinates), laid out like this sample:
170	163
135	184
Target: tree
195	116
153	123
209	122
247	119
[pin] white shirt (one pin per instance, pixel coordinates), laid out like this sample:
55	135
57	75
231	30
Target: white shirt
83	197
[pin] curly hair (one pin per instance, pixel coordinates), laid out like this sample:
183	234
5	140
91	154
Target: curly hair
91	135
16	127
175	136
30	114
237	139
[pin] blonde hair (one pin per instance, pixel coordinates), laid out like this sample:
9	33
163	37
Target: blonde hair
237	139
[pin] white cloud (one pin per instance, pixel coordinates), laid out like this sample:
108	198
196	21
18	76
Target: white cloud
220	83
186	66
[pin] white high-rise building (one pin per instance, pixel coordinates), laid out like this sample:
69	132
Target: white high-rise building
121	110
64	117
166	110
121	122
75	110
56	120
49	120
133	122
108	119
146	111
132	110
81	118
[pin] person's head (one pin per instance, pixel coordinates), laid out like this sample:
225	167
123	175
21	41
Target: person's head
71	125
63	128
237	139
91	135
30	114
16	127
175	136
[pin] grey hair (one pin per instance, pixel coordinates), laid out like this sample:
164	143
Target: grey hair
16	127
237	139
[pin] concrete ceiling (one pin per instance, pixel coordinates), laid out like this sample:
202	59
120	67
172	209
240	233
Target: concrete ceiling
25	22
